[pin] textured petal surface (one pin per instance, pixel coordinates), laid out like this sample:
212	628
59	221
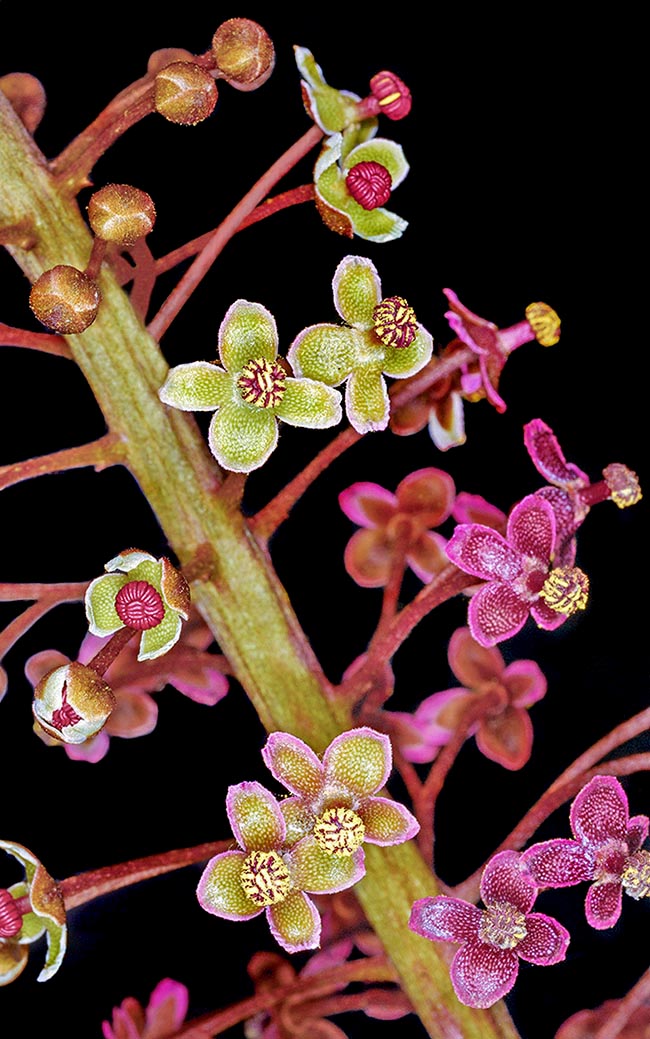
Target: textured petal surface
603	905
242	438
445	919
327	353
357	291
315	870
483	552
295	923
255	817
309	404
546	940
473	508
387	822
359	760
482	974
496	613
220	892
199	386
400	362
366	400
159	640
558	863
384	151
545	617
293	764
600	811
548	458
531	528
637	832
248	330
100	604
505	880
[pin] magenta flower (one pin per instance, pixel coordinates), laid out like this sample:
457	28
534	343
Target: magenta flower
335	799
163	1016
273	870
517	569
606	850
494	939
571	493
504	733
397	527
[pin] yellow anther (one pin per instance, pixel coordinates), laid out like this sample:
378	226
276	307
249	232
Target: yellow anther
265	878
388	100
262	383
636	875
623	484
566	589
339	831
544	322
503	925
395	322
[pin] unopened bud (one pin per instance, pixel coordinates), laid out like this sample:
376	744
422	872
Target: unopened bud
72	703
185	93
121	213
65	300
244	53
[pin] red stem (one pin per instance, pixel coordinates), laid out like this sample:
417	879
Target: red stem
219	238
100	454
144	278
635	998
67	592
43	341
433	372
109	653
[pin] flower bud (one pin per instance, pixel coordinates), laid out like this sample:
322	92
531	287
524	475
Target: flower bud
72	703
185	93
121	213
26	95
244	53
65	300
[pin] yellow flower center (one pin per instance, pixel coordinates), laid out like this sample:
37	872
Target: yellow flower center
395	322
339	831
503	925
636	875
566	589
265	878
544	322
262	383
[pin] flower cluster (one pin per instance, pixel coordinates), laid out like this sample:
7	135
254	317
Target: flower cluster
309	843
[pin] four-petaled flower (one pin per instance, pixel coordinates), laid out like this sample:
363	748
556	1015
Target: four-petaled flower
141	592
606	850
495	938
250	392
397	527
44	914
571	493
504	733
380	337
274	869
162	1017
516	568
334	800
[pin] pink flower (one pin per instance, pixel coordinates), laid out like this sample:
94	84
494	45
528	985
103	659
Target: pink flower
606	850
571	493
517	569
494	939
397	526
504	733
162	1017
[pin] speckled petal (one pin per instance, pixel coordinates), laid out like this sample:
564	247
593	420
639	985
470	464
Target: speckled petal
298	820
483	552
154	642
357	291
445	919
129	561
428	556
198	386
368	558
255	817
368	504
400	362
495	613
295	923
100	604
506	880
387	822
637	832
375	225
558	863
546	940
473	508
482	974
326	353
242	438
545	617
603	905
220	892
360	760
293	763
248	330
506	738
316	871
531	528
366	400
387	153
548	458
600	811
309	404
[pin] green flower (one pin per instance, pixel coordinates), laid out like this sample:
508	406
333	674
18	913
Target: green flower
44	915
333	110
381	337
141	592
250	392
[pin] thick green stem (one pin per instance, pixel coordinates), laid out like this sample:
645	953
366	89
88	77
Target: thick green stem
242	601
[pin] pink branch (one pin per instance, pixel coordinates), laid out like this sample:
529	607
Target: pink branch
100	454
43	341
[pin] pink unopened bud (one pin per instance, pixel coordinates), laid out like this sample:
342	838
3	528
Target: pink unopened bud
370	184
392	95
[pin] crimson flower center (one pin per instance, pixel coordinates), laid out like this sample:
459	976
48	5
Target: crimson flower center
503	925
11	919
139	606
370	184
395	322
262	383
65	714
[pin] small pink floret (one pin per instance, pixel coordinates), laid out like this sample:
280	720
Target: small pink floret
139	606
370	184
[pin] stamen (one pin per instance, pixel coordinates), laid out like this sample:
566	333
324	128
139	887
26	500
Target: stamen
262	383
65	714
624	487
544	322
503	925
339	831
566	589
395	322
636	875
265	878
139	606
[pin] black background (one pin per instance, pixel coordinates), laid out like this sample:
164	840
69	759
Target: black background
524	185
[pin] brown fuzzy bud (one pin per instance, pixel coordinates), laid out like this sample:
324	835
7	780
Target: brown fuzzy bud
244	53
72	703
121	213
185	93
26	95
65	299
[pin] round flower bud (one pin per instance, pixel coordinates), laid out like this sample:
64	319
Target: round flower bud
65	300
370	184
185	93
244	53
121	213
72	703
